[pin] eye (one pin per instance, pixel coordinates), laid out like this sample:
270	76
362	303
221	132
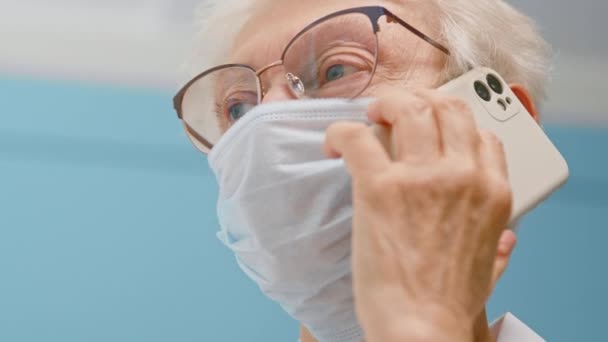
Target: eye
234	106
339	71
335	72
343	69
237	110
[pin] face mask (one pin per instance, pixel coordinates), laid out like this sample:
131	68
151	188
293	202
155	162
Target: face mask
285	210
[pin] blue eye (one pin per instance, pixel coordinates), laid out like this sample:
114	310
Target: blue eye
335	72
238	110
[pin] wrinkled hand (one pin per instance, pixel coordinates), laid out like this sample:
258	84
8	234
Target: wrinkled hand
430	200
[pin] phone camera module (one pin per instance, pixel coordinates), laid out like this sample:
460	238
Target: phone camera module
482	90
495	84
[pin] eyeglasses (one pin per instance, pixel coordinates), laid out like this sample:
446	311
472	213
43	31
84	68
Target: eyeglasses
333	57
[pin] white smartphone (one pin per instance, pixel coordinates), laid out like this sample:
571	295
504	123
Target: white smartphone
536	167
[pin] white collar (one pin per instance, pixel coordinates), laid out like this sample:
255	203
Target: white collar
510	329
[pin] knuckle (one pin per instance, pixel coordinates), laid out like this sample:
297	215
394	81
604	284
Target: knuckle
356	131
488	135
417	106
424	185
459	105
496	193
449	104
444	103
346	131
394	177
402	178
501	196
417	181
462	174
384	188
379	185
406	102
490	138
431	95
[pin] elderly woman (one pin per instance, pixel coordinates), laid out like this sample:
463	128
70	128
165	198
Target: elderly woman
420	198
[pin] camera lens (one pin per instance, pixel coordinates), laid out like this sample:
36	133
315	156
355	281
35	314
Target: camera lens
495	84
482	90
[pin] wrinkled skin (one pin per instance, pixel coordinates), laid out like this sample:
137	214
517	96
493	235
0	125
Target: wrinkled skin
430	205
428	156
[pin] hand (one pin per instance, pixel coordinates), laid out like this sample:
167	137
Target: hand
481	330
428	213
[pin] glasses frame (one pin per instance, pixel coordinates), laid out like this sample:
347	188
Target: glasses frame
373	13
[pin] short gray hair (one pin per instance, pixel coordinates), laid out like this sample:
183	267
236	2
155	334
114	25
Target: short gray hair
488	33
491	33
218	23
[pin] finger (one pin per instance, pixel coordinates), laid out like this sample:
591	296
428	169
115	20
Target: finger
457	127
493	154
414	133
358	146
384	135
506	245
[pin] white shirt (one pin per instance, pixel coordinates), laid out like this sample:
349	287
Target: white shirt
510	329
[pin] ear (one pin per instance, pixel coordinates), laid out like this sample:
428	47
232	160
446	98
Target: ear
525	98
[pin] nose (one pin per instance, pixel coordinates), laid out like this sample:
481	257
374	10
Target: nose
278	92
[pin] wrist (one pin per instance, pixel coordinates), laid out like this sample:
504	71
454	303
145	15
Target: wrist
481	329
422	327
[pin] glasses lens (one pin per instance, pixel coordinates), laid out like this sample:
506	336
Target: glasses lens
335	58
215	101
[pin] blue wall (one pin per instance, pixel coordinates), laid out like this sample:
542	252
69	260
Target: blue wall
107	230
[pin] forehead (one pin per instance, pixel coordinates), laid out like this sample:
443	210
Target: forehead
273	23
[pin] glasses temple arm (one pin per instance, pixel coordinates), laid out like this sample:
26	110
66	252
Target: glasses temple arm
393	18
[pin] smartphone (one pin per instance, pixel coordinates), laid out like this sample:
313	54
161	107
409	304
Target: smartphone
536	167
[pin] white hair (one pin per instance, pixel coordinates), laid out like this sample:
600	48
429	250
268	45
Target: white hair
488	33
493	34
218	24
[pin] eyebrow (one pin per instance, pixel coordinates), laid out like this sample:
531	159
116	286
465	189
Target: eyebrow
395	2
340	23
220	85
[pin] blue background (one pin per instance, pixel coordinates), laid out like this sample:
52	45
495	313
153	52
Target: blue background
107	230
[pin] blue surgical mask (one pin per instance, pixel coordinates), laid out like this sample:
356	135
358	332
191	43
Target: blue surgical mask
285	210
